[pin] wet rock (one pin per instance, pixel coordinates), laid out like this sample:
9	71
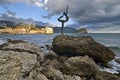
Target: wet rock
117	60
84	45
106	76
48	47
105	65
42	47
82	66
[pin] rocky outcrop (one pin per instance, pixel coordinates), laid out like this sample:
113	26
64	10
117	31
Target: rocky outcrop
16	65
82	66
73	68
80	46
54	74
18	60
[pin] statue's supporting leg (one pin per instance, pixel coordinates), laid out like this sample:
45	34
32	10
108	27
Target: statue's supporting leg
62	28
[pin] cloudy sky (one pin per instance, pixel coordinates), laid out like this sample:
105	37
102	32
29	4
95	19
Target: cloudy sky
95	15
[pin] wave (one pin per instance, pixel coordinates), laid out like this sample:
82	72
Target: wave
115	67
1	42
114	47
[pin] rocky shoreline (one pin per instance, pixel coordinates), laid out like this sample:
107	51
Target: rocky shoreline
71	58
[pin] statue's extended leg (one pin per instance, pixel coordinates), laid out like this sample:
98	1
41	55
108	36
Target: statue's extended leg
62	27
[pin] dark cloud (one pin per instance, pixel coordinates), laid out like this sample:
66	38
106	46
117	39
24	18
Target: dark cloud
11	13
88	12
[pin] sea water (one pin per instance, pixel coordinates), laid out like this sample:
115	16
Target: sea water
111	40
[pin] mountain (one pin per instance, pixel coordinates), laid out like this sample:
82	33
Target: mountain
40	24
8	23
66	30
82	30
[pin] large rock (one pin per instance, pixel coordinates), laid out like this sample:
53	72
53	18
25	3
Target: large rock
52	73
51	59
18	60
22	46
41	77
51	55
84	45
14	65
69	77
106	76
82	66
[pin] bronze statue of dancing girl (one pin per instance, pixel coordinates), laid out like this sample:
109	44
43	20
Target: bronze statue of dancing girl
62	20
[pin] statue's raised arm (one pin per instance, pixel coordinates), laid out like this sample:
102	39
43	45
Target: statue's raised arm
67	18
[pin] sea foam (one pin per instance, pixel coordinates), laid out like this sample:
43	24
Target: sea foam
1	42
115	67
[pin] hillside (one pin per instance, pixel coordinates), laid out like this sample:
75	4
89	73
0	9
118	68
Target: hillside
82	30
8	23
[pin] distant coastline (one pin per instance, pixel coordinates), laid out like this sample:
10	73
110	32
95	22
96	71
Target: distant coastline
26	29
